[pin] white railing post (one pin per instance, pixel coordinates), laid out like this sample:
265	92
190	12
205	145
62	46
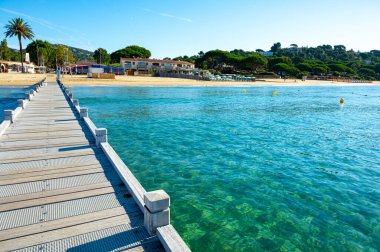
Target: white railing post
28	96
21	103
101	136
76	102
9	115
157	211
83	112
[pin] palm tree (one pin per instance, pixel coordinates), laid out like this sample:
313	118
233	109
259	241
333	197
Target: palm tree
18	27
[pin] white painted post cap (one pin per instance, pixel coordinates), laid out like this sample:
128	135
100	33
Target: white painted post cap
156	201
9	115
28	96
100	131
101	136
76	102
21	103
83	112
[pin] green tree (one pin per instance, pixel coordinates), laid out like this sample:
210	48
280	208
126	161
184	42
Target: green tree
18	27
377	68
320	69
253	61
41	52
133	51
340	68
64	55
4	50
275	60
101	56
276	47
285	69
304	67
367	72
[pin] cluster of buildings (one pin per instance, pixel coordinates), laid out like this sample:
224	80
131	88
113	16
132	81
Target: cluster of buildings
136	66
129	66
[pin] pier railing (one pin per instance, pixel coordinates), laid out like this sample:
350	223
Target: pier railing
155	204
11	115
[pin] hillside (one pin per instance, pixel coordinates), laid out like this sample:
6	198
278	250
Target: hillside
79	54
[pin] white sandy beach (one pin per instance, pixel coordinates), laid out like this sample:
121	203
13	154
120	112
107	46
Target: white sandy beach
19	79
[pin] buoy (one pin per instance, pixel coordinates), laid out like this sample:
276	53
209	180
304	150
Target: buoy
274	93
244	91
341	101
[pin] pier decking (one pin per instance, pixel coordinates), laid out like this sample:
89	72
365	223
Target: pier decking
63	187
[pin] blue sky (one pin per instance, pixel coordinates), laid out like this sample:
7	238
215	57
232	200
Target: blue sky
172	28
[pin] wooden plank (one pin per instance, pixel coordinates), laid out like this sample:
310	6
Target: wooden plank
48	129
30	196
28	138
35	239
20	180
56	168
82	152
55	199
50	170
66	222
47	145
22	135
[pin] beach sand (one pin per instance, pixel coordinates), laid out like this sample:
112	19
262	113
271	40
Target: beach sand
19	79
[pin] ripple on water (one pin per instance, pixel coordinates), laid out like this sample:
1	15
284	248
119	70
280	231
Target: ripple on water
253	172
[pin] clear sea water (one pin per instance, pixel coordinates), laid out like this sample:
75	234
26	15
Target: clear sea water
253	172
9	97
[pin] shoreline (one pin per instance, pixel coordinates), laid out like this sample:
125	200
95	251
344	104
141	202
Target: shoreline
18	80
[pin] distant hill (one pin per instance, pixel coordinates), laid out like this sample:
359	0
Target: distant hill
79	54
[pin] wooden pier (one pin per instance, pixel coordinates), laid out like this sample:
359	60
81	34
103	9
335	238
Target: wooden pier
64	188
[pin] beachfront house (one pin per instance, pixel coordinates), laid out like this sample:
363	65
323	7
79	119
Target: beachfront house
137	66
15	66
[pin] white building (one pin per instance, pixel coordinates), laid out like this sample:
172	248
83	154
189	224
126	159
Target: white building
266	54
143	66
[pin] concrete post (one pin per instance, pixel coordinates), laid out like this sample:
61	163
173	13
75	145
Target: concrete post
32	92
76	102
28	96
21	103
70	95
101	136
9	115
83	112
157	211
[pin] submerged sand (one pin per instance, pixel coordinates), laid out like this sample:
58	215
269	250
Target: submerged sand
19	79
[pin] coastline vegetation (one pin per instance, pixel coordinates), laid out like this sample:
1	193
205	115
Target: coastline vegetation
324	60
321	61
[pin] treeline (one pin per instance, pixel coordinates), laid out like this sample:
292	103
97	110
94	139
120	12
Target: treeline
7	53
294	61
40	52
325	60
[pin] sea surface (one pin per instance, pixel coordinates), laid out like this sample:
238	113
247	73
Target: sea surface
251	171
9	97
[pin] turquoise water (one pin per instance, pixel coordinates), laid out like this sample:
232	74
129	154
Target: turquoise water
253	172
8	98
